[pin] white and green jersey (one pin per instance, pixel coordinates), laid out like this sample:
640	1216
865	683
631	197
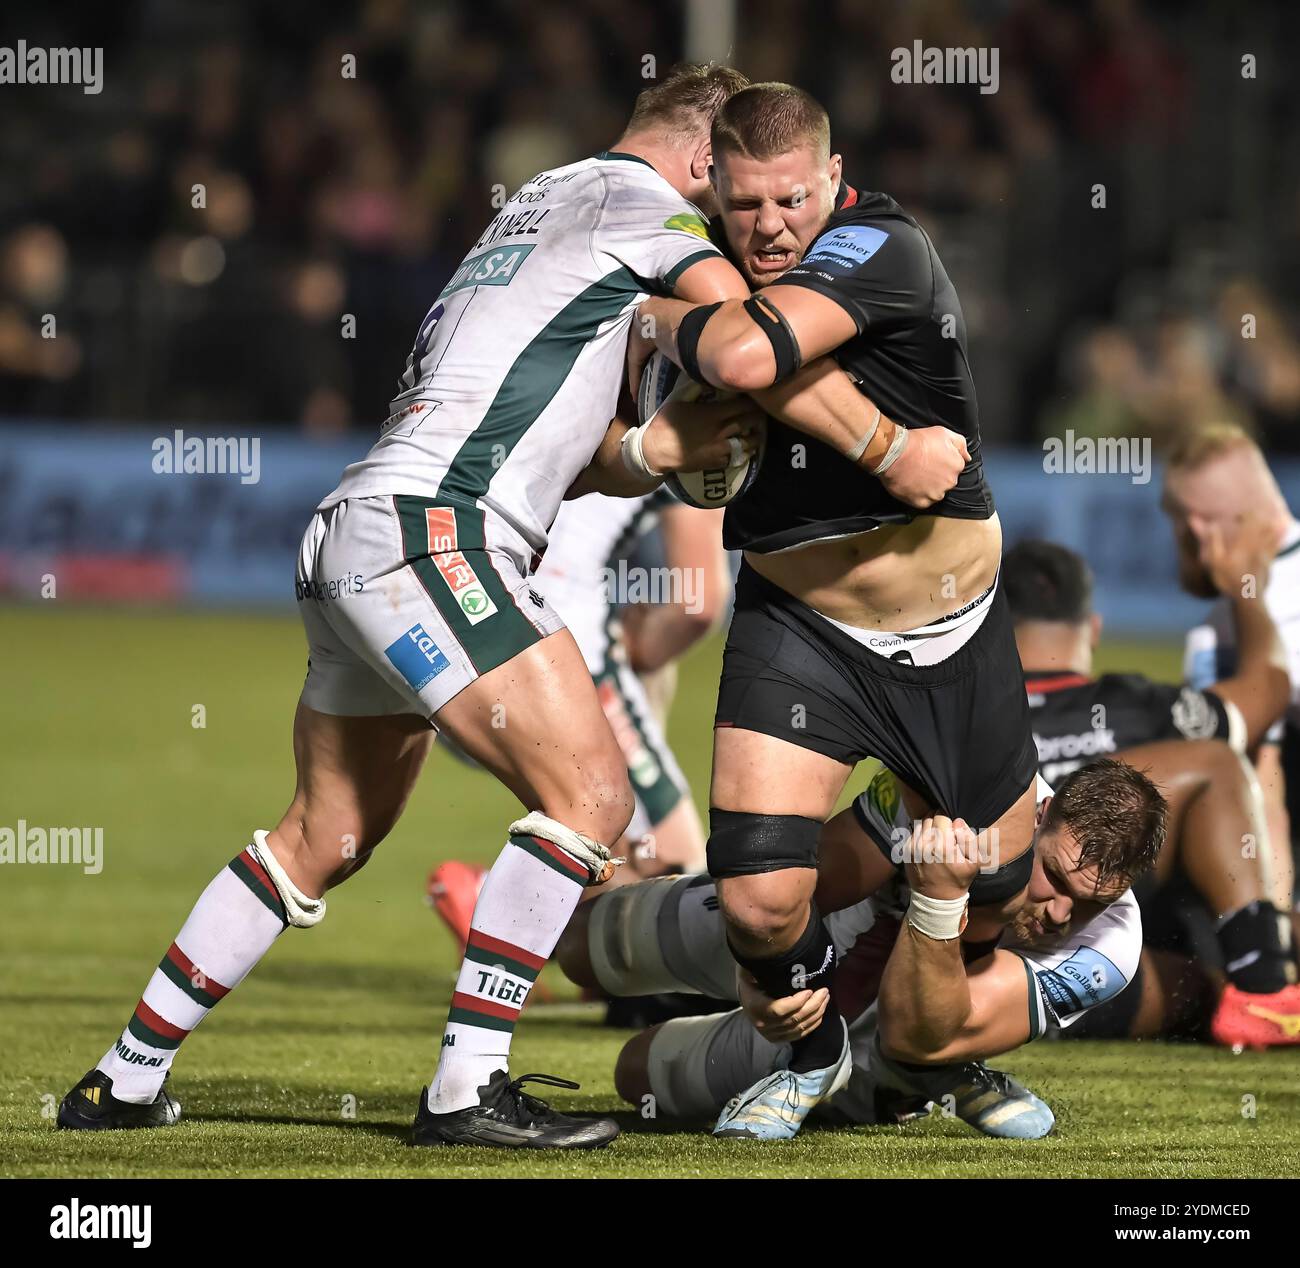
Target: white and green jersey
515	371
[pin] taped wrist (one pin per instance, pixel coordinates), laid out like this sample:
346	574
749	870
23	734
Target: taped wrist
631	448
780	334
939	918
893	453
860	448
689	330
742	844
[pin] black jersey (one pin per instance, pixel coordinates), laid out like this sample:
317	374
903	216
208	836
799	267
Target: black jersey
908	357
1075	718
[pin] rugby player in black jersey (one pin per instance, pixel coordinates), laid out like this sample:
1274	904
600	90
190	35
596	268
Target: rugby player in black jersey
1214	800
865	624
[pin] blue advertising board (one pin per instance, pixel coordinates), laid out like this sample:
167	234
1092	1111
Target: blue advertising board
106	512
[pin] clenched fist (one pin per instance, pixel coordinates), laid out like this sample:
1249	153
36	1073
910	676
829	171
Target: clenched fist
932	460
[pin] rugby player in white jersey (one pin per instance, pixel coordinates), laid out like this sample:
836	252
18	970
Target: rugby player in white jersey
414	585
1073	945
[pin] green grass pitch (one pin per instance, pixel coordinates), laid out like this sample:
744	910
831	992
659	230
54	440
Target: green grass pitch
313	1067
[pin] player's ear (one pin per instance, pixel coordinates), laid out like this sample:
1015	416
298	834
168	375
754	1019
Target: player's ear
1041	812
702	161
835	171
1094	636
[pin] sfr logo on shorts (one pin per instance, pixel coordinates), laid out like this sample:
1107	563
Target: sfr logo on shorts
465	586
440	524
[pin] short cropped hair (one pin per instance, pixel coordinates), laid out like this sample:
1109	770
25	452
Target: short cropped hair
765	120
1116	814
684	102
1044	581
1197	446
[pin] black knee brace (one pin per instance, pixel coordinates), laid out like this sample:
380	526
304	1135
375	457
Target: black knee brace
743	844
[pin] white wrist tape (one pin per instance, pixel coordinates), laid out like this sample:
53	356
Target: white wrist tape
940	918
861	447
895	450
577	845
634	456
303	912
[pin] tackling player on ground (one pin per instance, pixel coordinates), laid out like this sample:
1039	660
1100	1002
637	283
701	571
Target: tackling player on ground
1071	946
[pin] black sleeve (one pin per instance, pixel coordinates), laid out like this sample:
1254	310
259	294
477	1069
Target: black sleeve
879	273
1183	713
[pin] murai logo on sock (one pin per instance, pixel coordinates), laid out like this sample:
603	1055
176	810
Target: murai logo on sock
99	1221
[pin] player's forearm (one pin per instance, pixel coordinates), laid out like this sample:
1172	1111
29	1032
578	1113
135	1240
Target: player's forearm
732	352
821	401
924	996
1261	688
607	472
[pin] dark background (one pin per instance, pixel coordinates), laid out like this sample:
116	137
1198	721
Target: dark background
329	196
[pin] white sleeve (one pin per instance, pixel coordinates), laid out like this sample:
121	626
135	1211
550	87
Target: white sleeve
1088	968
656	235
1209	656
1201	657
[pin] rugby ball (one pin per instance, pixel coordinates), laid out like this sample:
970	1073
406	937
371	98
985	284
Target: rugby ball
661	380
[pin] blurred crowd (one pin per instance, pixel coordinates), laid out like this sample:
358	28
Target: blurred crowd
201	231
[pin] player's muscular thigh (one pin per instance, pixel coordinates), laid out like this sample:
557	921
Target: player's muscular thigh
536	724
759	774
